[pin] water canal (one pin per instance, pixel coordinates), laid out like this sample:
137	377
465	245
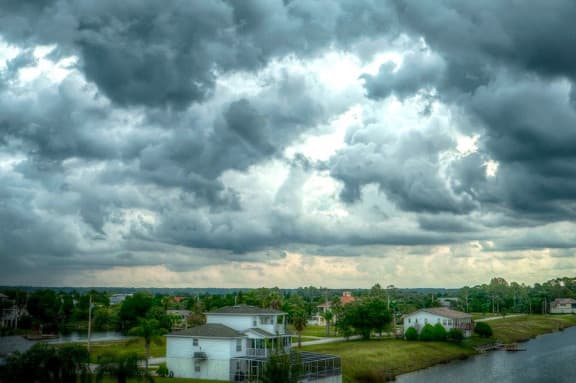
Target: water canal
549	358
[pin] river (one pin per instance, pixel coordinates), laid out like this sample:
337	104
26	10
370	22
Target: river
13	343
549	358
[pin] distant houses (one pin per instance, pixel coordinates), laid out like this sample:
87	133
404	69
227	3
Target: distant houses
235	344
322	308
446	317
563	306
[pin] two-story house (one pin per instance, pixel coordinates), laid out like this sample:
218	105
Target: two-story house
448	318
234	345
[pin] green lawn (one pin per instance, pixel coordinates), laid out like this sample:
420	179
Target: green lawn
312	330
517	329
127	345
374	360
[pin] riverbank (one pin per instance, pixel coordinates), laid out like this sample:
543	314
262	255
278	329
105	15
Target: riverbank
378	360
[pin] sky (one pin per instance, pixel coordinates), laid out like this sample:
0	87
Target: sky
253	143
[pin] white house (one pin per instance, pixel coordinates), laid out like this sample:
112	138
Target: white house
234	345
448	318
563	306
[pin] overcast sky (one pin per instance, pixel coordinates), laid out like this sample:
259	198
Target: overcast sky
287	143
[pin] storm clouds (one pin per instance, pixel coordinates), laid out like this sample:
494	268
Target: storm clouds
188	136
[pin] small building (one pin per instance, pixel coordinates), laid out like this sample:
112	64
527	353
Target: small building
563	306
118	298
446	317
322	308
235	344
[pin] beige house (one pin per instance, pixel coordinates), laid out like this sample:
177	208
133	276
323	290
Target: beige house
563	306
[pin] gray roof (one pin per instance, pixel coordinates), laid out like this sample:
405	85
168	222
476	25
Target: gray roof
244	310
261	332
209	330
563	301
446	312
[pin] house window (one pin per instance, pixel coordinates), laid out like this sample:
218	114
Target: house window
437	320
409	320
238	345
195	342
425	320
197	367
254	323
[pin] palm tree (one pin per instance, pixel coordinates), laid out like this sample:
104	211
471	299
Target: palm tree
150	330
122	367
328	316
299	320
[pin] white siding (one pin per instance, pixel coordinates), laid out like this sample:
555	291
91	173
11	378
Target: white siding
420	318
238	323
180	357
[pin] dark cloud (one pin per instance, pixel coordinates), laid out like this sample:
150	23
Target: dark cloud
142	154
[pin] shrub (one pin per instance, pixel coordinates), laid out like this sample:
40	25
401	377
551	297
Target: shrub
439	332
455	335
162	370
411	333
483	329
427	333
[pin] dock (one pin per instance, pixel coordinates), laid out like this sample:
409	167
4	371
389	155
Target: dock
498	346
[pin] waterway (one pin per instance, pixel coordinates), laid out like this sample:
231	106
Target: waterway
549	358
13	343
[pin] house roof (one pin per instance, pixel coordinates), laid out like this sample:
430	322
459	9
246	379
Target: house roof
209	330
445	312
244	310
563	301
260	332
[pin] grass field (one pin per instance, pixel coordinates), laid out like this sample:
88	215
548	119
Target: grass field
374	360
312	331
125	346
521	328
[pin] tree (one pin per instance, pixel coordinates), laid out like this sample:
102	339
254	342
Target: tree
328	316
282	368
455	335
483	329
299	319
364	316
122	367
427	333
133	308
149	330
411	333
439	332
44	363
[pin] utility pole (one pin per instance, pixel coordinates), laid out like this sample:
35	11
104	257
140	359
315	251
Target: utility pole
89	322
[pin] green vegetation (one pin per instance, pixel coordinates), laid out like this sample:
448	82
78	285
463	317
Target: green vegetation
131	345
411	333
483	330
521	328
379	359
